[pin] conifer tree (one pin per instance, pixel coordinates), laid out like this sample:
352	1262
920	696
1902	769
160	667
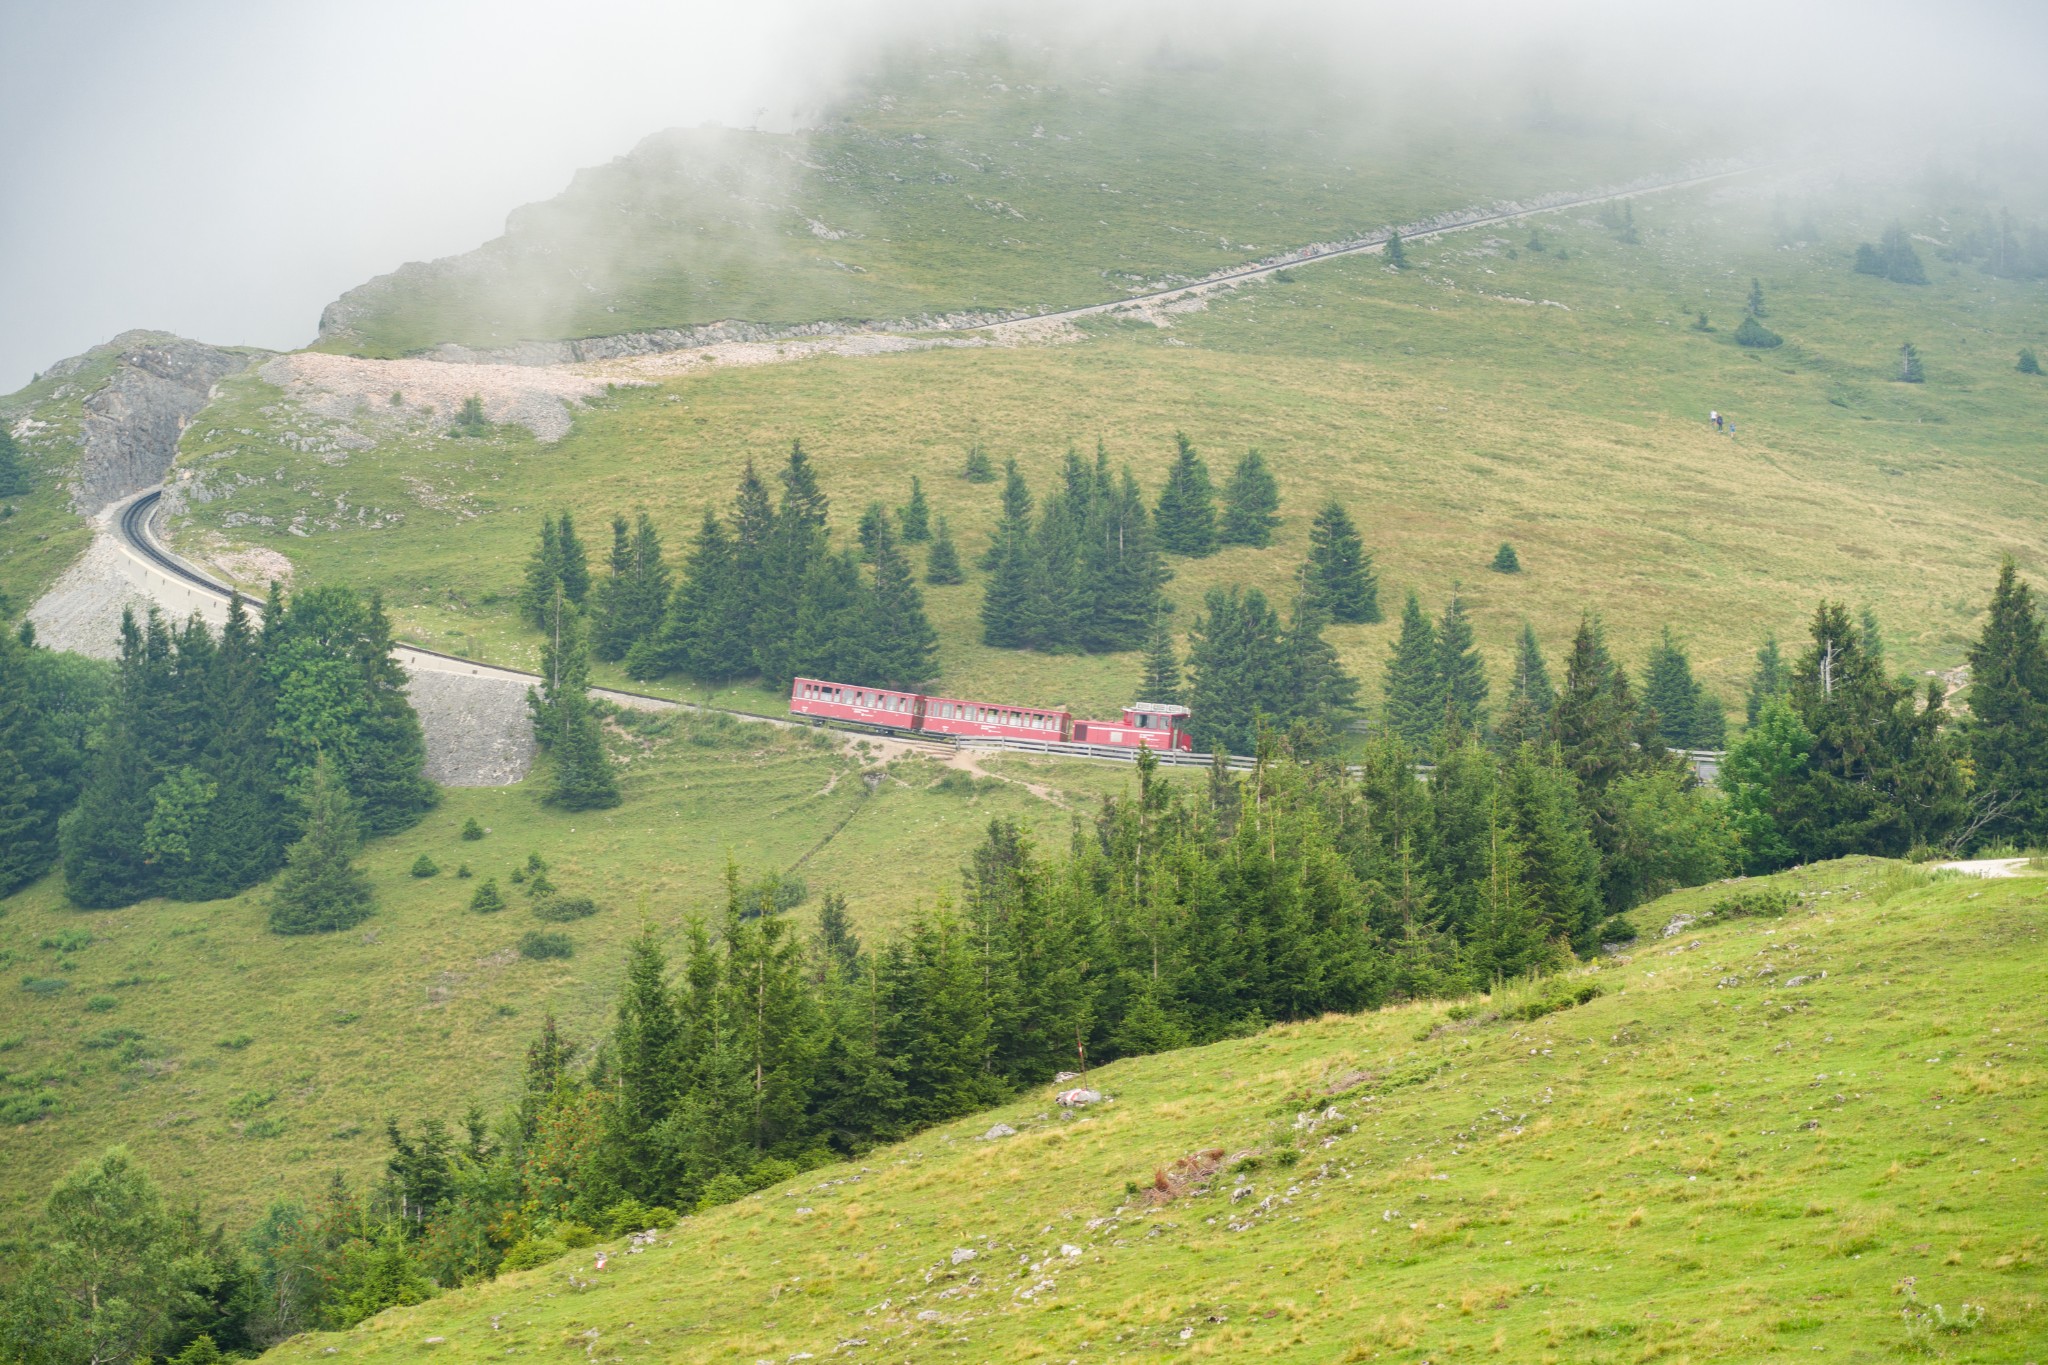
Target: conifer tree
1338	573
322	890
1756	298
1186	518
1414	705
487	899
1057	598
2007	731
238	842
1910	371
627	607
1530	696
1461	672
1161	681
102	836
1901	262
1505	560
1251	503
543	574
795	542
1395	253
49	703
1125	573
1769	679
1592	723
942	563
2029	363
978	468
575	571
1540	812
14	478
834	629
564	722
703	631
1670	694
1316	686
608	639
1238	656
1015	519
916	515
902	647
1006	600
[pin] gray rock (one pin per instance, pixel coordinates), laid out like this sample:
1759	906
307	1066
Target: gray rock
133	421
1001	1130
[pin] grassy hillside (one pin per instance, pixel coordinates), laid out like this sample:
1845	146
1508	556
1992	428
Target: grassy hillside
237	1063
40	534
1761	1140
998	177
1554	399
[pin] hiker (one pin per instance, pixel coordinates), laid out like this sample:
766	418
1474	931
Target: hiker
1715	418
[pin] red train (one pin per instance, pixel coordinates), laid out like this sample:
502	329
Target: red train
1147	724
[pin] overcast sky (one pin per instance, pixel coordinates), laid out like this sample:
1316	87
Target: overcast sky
224	168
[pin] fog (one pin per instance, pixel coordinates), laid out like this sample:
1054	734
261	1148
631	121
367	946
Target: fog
223	170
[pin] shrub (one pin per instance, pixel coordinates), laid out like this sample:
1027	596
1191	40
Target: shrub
574	1235
2029	362
423	866
979	468
236	1043
1756	336
471	830
1760	903
528	1252
540	946
487	901
43	985
20	1109
628	1215
100	1004
564	909
723	1189
1618	930
1505	560
462	872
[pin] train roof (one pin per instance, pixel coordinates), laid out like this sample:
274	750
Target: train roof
1158	708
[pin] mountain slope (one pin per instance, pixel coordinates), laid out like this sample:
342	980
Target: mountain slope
1000	177
1749	1145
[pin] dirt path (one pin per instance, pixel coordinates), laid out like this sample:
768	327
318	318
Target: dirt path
1986	867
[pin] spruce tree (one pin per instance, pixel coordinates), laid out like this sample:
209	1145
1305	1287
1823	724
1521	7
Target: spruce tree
1910	371
978	468
1125	573
1754	335
703	631
543	574
49	705
1756	298
1530	696
1505	560
1005	604
942	563
1015	519
1317	688
321	889
1670	693
487	899
1186	518
1461	672
102	836
575	563
628	606
608	640
1395	253
1338	573
1592	723
1901	261
582	778
1057	598
240	840
901	645
1238	656
1414	705
14	477
916	515
2029	363
1769	679
1251	503
796	541
1161	680
834	627
2007	731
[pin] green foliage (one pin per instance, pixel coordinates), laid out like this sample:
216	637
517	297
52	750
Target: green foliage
1394	252
47	705
1505	560
1461	673
1685	714
1414	699
1768	679
1186	516
1666	834
423	866
627	606
539	945
1338	574
978	468
1251	503
1162	681
1756	300
1758	774
915	516
2007	730
322	890
487	899
942	562
563	909
470	419
1086	577
1249	671
1893	258
1530	696
472	830
2029	363
1753	334
1910	369
14	475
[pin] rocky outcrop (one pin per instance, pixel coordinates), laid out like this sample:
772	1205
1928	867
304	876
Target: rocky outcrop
130	426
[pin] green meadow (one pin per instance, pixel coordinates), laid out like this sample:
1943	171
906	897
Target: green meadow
1759	1139
1555	399
239	1064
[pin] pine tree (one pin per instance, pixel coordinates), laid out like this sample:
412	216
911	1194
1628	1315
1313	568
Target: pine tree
1769	679
102	836
564	722
838	944
1505	560
2007	731
1006	601
1186	518
487	899
834	628
1869	261
1395	253
628	606
703	631
978	468
796	541
1669	692
1338	573
1015	519
1414	705
1251	503
608	640
322	890
575	563
1593	722
942	563
902	647
1910	371
543	574
1461	672
1754	335
1318	689
14	477
1161	681
915	515
49	704
1238	656
1756	298
1530	697
1901	262
2029	363
1124	572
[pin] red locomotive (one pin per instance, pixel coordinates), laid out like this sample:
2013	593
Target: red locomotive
1147	724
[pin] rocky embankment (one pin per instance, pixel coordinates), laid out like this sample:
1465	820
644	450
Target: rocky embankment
129	428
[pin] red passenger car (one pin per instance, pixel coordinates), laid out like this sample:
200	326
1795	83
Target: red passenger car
1151	725
971	719
880	707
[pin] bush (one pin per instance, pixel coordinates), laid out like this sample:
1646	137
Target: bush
423	866
1756	336
979	468
235	1043
462	872
1505	560
43	985
471	830
528	1252
574	1235
487	901
564	909
2029	362
100	1004
723	1189
540	946
1617	930
1761	903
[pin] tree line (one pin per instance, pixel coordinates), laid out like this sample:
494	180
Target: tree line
190	767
